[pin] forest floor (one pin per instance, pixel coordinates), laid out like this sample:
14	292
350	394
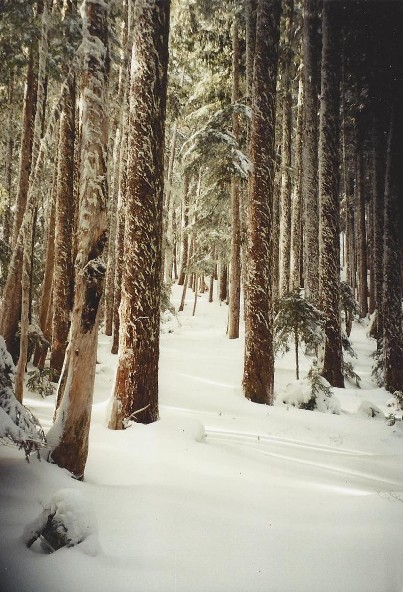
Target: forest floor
220	495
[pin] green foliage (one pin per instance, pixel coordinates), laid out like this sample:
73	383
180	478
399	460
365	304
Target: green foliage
17	423
350	374
40	381
297	317
321	391
378	368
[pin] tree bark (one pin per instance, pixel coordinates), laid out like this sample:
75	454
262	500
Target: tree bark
235	264
68	438
392	258
311	56
258	376
285	195
362	233
296	231
136	386
329	260
185	231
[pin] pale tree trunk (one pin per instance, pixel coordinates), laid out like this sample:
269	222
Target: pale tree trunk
329	260
311	57
235	264
111	285
371	298
362	233
68	438
392	258
27	228
136	385
185	231
285	195
296	232
258	376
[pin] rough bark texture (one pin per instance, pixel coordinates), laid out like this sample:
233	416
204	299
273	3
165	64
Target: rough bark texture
296	234
285	196
311	56
235	264
392	258
63	272
329	194
362	234
185	232
68	438
136	386
250	26
378	180
258	377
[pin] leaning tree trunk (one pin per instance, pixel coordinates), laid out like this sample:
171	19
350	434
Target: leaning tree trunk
235	265
329	260
311	57
258	376
136	386
392	258
68	438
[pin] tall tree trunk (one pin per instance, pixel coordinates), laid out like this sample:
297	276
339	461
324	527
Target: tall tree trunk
136	386
185	231
250	32
68	438
258	376
27	228
392	258
362	233
311	56
63	271
8	169
378	167
285	196
46	307
235	264
296	234
329	193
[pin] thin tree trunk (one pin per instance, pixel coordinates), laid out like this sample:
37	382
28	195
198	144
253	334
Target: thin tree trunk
235	264
63	270
311	53
329	260
285	196
258	376
362	234
296	233
185	232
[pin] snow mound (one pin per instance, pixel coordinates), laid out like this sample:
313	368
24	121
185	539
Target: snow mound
66	521
298	393
370	410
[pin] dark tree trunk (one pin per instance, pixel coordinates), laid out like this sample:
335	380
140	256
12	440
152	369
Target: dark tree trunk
392	258
258	376
185	232
329	193
136	386
362	232
311	57
235	265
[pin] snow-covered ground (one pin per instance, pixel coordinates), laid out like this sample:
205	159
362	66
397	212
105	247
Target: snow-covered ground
220	495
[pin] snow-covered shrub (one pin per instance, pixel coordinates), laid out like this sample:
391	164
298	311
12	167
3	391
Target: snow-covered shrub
396	405
17	423
378	375
297	319
311	393
67	520
348	305
370	410
40	381
350	374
